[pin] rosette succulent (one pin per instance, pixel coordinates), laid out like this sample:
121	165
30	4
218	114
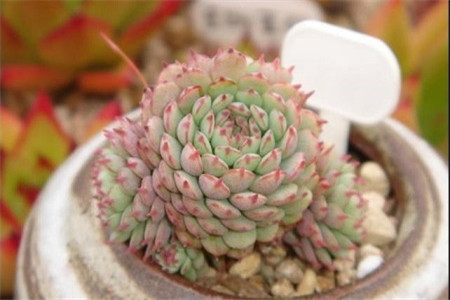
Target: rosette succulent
224	156
332	223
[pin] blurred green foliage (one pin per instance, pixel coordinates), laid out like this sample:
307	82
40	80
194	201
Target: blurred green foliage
420	43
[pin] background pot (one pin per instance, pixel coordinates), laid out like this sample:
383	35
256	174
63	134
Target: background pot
64	252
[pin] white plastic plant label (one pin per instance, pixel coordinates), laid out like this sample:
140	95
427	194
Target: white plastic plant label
356	77
264	23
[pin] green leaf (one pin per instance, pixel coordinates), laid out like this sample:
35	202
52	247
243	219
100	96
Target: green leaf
77	44
38	149
106	81
432	27
133	37
432	101
32	77
391	24
72	5
19	176
10	128
113	12
13	48
42	137
32	20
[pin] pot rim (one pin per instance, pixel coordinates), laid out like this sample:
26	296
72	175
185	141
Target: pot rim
435	172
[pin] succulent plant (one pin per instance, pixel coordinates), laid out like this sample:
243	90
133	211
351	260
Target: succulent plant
331	226
225	155
49	44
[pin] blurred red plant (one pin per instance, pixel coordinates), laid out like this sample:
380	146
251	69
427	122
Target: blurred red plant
30	150
47	45
420	42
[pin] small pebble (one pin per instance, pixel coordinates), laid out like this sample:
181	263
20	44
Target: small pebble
258	281
219	264
347	262
379	228
374	200
300	263
221	289
368	249
324	283
388	206
282	288
273	254
242	288
339	265
308	284
328	274
368	264
394	221
290	270
375	178
247	266
207	282
268	273
345	277
210	273
350	257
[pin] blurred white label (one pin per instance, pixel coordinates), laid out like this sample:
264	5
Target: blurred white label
264	23
356	77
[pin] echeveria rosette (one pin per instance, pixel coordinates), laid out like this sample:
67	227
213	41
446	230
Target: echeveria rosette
224	156
331	226
233	138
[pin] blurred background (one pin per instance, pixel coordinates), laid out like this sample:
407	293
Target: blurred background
60	83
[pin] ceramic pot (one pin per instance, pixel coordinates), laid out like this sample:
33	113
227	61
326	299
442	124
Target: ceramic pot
64	253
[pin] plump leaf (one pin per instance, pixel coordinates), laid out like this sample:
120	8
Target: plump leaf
391	24
13	48
9	246
20	183
432	102
63	35
405	111
421	49
32	77
133	37
10	128
105	82
118	11
76	44
39	148
72	5
9	224
32	20
431	28
42	135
